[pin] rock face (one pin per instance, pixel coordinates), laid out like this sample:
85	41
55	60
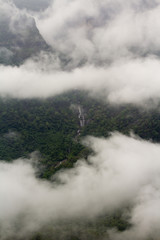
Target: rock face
19	39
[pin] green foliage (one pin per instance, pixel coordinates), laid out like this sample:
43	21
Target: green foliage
51	127
79	229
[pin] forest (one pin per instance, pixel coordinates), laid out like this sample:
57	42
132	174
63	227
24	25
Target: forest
51	127
79	120
50	130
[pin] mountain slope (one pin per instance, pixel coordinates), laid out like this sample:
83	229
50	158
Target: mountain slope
53	127
19	40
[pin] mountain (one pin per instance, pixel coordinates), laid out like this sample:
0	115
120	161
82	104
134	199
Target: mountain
19	40
55	126
50	131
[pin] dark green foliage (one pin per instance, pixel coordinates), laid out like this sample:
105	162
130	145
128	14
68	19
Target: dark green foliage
80	229
50	127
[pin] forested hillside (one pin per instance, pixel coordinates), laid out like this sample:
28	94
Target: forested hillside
79	120
52	127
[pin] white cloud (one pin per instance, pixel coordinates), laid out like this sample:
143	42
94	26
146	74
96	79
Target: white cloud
16	21
109	48
102	31
123	172
133	81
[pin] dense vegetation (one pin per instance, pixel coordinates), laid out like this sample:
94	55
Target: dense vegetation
52	127
84	229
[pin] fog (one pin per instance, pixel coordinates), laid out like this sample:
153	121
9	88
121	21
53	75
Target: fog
32	5
123	172
134	81
109	48
13	21
101	32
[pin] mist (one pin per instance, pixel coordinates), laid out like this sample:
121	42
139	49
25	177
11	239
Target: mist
123	172
110	49
135	81
32	5
101	32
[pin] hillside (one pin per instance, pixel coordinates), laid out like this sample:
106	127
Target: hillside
79	120
53	127
19	40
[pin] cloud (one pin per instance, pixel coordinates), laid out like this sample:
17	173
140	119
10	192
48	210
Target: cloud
100	32
133	81
32	4
17	22
124	171
110	48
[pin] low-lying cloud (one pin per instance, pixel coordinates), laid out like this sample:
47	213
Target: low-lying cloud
110	48
101	32
133	81
123	172
17	22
